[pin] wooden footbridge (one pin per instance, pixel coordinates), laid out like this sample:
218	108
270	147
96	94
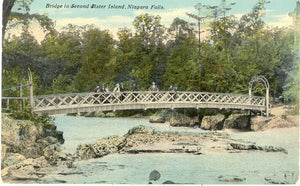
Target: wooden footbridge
142	100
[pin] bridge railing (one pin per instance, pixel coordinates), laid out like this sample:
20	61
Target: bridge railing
129	97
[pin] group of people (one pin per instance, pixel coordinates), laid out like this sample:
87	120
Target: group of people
121	88
102	88
154	87
120	95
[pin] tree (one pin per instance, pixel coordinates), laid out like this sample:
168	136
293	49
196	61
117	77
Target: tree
125	55
17	11
65	46
291	87
148	56
98	61
180	29
7	6
23	52
181	68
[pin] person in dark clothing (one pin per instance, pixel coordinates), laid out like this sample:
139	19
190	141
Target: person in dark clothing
134	88
172	93
153	87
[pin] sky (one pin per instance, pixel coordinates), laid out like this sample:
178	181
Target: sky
110	18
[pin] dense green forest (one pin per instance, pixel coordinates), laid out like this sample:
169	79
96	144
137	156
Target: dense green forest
78	58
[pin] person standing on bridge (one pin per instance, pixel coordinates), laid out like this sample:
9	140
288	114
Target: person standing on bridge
117	92
106	89
172	92
153	87
122	88
102	89
133	88
106	94
97	89
117	88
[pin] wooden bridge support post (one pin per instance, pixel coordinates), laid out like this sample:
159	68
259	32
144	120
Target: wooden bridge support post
20	95
7	104
30	89
267	102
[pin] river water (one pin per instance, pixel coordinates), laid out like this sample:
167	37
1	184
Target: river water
253	167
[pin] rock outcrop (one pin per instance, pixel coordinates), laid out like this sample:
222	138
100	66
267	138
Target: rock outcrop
160	117
20	137
181	120
99	114
146	140
247	146
26	170
213	122
231	179
28	147
287	177
11	159
55	156
261	123
237	121
100	148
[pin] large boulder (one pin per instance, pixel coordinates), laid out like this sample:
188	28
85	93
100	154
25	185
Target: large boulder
20	136
258	122
213	122
108	145
101	148
85	151
160	117
24	170
99	114
157	119
110	115
261	122
54	133
55	156
237	121
181	120
11	159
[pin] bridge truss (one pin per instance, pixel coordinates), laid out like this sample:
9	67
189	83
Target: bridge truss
114	101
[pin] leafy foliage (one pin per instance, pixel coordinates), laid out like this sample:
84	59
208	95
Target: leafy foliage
27	114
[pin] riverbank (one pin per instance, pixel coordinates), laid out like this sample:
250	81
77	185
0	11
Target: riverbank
28	150
229	156
51	166
145	140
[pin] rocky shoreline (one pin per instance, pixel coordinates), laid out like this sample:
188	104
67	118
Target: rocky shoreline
146	140
29	152
245	122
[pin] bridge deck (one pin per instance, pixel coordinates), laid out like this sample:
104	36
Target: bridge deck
114	101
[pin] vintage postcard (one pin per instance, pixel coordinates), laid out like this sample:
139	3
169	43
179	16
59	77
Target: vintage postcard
150	92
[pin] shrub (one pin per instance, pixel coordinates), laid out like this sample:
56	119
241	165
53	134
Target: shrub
27	114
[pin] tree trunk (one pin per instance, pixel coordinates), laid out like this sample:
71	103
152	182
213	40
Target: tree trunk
7	6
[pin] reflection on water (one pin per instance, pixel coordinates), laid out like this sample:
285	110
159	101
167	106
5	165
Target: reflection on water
254	166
